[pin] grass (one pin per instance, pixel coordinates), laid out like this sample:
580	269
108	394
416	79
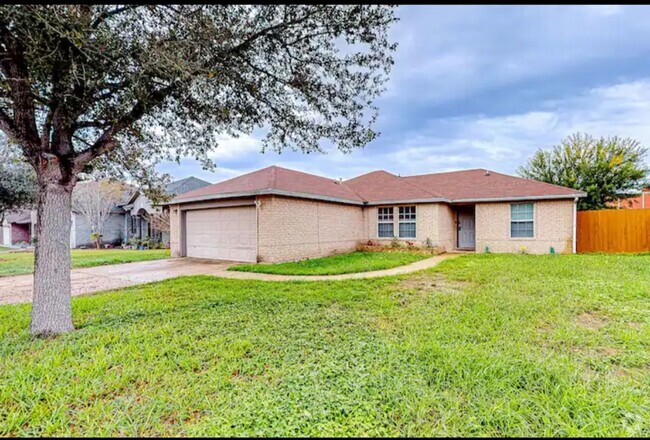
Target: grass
481	345
19	263
337	264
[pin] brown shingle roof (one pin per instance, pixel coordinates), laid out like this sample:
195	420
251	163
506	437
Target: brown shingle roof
381	186
484	184
278	180
384	186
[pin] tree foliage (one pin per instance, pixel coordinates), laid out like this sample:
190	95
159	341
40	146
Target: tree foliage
603	167
125	86
160	221
17	181
118	88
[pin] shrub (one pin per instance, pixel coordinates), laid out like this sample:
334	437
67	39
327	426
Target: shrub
428	243
395	243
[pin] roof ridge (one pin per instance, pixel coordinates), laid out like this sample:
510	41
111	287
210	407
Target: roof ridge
533	180
370	172
342	182
274	176
434	194
450	172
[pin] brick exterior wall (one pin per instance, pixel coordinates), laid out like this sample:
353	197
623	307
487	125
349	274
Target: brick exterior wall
553	227
432	220
446	227
426	223
292	229
175	230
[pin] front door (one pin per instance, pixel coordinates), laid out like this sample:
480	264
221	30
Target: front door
466	230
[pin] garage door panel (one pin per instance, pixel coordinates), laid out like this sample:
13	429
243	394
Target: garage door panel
222	233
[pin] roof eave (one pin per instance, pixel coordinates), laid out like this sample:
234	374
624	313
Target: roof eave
520	198
403	201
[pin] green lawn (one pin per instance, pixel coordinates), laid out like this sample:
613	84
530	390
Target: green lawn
481	345
337	264
19	263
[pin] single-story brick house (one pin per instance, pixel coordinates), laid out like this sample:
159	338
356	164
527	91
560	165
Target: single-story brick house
276	214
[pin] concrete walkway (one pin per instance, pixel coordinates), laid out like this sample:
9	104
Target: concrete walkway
18	289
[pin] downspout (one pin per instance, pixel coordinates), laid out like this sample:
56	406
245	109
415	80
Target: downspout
575	221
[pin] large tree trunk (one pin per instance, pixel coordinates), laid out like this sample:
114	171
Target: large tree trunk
51	310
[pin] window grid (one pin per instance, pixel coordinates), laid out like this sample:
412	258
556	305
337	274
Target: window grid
407	219
385	227
522	221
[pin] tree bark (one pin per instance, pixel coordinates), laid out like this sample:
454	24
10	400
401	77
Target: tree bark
51	309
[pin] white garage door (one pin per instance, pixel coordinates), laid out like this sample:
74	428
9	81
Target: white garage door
222	233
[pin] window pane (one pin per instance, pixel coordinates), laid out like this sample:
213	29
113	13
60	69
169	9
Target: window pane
521	229
407	212
385	230
385	214
521	211
407	230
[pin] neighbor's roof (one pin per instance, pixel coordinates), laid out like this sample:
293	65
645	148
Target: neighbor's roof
380	187
185	185
22	216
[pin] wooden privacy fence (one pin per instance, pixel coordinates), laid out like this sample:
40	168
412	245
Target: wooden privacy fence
609	230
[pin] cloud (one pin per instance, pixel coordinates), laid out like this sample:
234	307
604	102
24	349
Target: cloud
453	52
477	86
230	147
504	142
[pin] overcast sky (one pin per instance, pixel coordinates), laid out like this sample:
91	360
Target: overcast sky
484	87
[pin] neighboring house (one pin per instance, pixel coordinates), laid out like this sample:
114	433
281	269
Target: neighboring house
128	219
275	214
641	201
138	209
18	227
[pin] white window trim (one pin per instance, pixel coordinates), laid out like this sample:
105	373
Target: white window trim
414	221
534	221
392	222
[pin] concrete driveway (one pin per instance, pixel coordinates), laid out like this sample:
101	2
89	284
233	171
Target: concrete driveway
18	289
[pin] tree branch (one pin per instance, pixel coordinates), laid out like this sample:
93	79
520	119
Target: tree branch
7	125
107	14
106	141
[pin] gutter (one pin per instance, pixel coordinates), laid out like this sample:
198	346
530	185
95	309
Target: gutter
518	198
267	191
279	192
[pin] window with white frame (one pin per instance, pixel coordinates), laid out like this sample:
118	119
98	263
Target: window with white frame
522	223
407	221
385	222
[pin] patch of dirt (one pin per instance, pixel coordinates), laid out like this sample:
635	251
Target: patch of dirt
635	325
635	373
608	351
433	282
592	320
